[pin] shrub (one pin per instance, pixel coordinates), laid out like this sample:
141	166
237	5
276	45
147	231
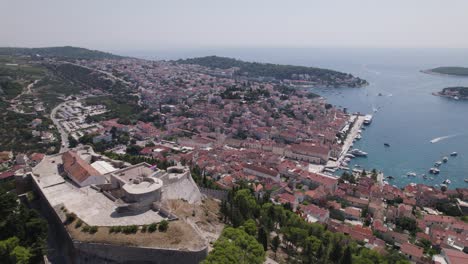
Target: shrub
144	228
93	229
85	229
130	229
152	227
70	218
78	224
163	226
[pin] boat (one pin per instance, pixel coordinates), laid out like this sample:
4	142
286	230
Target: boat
380	94
447	181
349	155
367	119
411	174
390	177
434	171
466	179
357	165
386	144
424	176
438	163
444	159
443	185
358	137
453	154
358	153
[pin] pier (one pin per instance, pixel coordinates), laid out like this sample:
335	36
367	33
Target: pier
357	125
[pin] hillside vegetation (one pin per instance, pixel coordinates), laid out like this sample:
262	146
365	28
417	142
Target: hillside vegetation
278	71
66	52
457	71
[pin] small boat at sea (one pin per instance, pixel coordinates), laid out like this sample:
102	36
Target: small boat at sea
434	171
386	144
466	179
453	154
349	155
447	181
411	174
424	176
444	159
390	177
438	163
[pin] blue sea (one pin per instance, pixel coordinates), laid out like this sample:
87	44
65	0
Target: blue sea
407	115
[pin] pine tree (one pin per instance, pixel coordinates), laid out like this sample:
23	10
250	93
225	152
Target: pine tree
263	238
335	253
347	256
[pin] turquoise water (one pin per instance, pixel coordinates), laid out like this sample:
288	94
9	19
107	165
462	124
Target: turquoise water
408	115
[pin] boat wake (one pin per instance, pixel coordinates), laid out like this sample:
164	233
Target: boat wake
437	139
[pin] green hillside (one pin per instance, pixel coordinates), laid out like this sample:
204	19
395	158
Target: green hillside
66	52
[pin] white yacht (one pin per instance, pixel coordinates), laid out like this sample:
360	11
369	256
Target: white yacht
367	119
434	171
358	153
453	154
411	174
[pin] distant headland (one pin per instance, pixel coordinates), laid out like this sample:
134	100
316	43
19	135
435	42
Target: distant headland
453	71
457	93
294	75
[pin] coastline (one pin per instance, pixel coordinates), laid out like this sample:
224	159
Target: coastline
456	98
357	125
431	72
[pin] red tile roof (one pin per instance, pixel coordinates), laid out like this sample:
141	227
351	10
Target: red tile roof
455	256
76	167
412	250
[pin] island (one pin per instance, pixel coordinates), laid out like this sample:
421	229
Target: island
453	71
457	93
288	74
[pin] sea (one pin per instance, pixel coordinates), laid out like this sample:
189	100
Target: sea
421	128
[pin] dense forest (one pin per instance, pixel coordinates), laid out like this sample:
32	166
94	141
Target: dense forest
257	225
66	52
277	71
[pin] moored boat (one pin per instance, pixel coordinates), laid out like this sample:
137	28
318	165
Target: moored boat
367	119
434	171
453	154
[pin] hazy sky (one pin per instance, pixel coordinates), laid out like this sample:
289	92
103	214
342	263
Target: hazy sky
154	24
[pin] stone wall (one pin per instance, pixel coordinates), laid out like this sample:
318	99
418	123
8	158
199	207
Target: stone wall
216	194
105	253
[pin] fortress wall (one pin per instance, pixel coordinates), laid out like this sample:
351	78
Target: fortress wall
105	253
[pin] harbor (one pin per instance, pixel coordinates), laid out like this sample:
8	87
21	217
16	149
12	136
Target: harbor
354	133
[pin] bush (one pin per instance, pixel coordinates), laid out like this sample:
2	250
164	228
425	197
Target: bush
163	226
78	224
85	229
70	218
93	229
130	229
144	228
152	227
115	229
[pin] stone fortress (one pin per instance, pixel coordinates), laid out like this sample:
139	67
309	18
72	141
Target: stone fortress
105	192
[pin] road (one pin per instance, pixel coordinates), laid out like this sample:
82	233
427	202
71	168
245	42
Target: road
63	133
